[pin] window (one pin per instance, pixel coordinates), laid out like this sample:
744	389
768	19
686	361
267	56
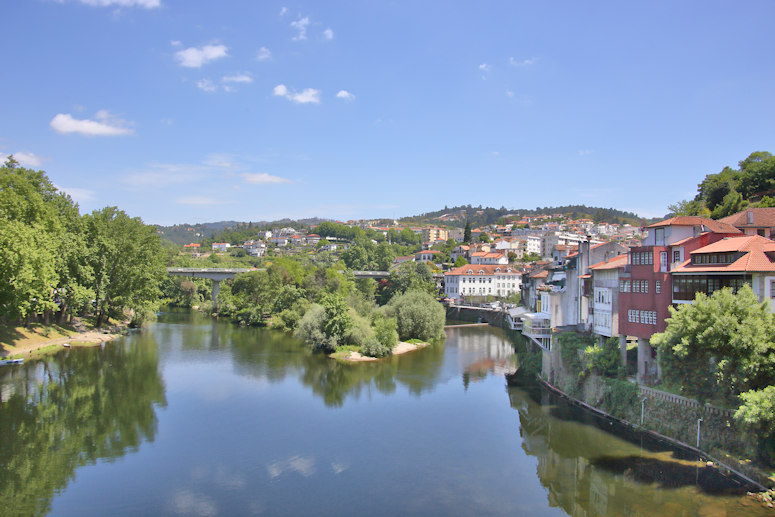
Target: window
772	288
658	286
644	288
676	255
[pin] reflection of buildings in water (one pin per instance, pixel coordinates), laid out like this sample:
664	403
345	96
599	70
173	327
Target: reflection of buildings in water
573	484
481	353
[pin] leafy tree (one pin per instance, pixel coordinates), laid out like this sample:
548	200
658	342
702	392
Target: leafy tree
127	260
694	207
732	203
720	344
757	414
460	261
467	232
418	315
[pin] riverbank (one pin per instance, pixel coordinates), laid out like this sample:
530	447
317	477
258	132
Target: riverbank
356	357
23	342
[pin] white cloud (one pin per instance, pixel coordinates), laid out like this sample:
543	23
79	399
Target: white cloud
147	4
344	94
29	160
306	96
166	121
195	57
484	67
328	34
299	464
524	62
176	43
199	200
509	93
206	85
105	125
79	195
585	152
237	78
264	54
283	11
301	26
262	178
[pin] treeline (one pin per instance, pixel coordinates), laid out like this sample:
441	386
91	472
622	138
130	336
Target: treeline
482	216
56	263
727	192
354	233
324	305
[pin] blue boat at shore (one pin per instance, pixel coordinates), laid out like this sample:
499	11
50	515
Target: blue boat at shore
11	361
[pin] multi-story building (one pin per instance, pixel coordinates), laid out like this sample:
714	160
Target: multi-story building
434	234
754	221
482	280
645	287
605	292
730	262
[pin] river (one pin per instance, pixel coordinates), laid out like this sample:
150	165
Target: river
196	417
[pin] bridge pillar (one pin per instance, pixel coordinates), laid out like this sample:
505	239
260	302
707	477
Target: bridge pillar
216	288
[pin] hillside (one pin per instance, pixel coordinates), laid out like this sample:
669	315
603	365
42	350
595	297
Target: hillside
479	216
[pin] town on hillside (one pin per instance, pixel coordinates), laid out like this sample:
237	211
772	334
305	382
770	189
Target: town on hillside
550	272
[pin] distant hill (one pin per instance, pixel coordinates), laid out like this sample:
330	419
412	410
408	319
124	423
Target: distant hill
181	234
479	216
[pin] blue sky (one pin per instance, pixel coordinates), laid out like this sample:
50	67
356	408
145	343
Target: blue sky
194	111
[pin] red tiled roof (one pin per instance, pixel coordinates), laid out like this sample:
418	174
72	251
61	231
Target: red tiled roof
540	274
488	269
691	220
613	263
755	259
762	218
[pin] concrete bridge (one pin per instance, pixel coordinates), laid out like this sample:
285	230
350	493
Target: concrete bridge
378	275
213	273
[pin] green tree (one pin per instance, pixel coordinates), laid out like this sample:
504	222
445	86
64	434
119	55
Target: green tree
732	203
418	314
721	344
128	263
460	261
467	232
694	207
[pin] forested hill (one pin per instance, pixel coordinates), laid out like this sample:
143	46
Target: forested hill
478	215
185	233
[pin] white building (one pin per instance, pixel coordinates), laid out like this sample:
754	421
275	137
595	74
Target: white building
489	257
482	280
221	247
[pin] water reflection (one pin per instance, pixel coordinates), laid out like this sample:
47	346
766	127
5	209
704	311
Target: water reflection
588	471
71	410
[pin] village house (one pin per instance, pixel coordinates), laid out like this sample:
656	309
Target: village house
482	280
221	247
754	221
428	256
489	257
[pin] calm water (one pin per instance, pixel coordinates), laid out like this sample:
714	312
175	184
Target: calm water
195	417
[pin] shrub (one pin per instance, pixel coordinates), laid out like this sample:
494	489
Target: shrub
604	360
251	316
311	329
418	314
374	348
385	330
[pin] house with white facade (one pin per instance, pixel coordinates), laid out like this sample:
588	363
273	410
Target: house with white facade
221	247
482	280
605	292
428	256
489	257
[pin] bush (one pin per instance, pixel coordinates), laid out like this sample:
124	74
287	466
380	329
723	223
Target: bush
312	330
374	348
604	360
620	396
418	314
385	330
757	415
251	316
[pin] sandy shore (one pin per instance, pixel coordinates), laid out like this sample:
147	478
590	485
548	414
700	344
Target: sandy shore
77	339
401	348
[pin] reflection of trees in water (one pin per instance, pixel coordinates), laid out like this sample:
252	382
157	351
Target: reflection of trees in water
590	472
75	408
335	380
